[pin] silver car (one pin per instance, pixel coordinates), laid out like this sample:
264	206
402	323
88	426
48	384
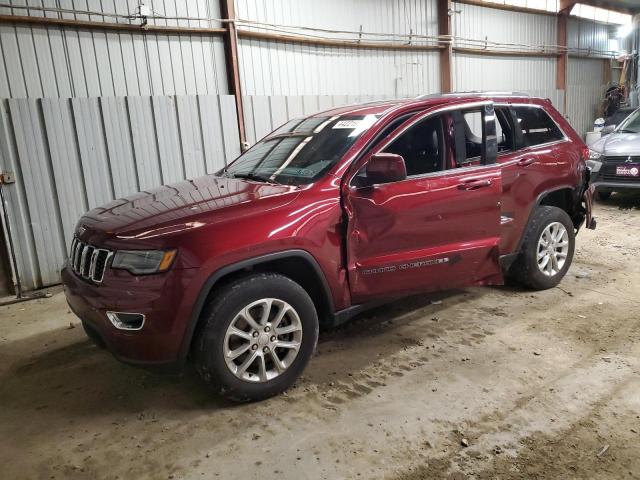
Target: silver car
615	159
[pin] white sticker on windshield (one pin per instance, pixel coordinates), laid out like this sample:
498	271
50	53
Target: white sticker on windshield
347	124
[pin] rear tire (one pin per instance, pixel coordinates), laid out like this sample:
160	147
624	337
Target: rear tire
603	195
547	249
240	348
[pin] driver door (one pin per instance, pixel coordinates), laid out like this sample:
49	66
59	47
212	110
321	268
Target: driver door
440	227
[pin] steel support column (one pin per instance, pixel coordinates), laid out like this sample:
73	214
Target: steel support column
231	62
446	53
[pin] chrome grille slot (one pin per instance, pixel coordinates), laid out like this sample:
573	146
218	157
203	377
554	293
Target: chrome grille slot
87	261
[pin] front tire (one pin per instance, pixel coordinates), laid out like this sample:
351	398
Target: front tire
256	337
547	249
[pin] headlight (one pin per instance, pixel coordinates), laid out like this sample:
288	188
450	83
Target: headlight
140	262
593	155
595	161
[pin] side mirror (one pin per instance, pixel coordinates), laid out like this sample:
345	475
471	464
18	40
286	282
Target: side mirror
386	168
607	130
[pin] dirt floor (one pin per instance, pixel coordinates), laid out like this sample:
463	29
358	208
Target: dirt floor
538	384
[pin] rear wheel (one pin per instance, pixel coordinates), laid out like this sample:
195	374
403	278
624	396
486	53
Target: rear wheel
256	337
547	249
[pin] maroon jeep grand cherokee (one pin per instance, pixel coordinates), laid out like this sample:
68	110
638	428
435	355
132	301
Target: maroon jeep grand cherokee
325	216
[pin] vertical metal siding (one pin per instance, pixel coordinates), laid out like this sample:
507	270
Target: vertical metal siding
70	155
37	179
588	35
389	16
271	68
276	68
585	90
55	62
536	76
480	23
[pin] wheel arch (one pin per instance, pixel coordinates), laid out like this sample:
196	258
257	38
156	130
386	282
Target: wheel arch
563	197
298	265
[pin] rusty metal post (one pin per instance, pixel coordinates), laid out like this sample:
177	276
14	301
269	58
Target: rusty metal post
446	53
231	62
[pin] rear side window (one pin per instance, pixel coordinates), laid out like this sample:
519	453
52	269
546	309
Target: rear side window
536	126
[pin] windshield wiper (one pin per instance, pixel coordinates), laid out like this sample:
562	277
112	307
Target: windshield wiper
626	130
253	176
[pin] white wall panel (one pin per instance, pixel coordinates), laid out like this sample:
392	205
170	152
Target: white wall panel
276	68
270	68
495	25
585	90
523	74
587	35
386	16
55	62
70	155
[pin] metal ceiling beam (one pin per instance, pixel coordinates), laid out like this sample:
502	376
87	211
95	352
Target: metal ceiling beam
565	6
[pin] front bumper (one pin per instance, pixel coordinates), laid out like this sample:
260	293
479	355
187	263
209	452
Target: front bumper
617	186
158	297
606	177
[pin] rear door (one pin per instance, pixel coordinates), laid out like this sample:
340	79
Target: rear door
533	159
440	227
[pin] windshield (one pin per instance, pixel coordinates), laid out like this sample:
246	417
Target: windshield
301	151
631	124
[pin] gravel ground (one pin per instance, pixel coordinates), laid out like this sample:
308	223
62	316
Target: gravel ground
535	384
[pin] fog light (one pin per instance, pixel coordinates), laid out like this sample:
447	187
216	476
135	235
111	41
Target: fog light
126	321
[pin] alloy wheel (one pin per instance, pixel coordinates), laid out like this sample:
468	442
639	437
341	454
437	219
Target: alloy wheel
553	249
263	340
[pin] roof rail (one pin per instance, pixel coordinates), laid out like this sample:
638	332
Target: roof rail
474	93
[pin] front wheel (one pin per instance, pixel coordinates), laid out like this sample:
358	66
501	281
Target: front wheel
256	337
547	249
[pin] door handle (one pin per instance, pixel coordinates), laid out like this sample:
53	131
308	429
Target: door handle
525	162
474	184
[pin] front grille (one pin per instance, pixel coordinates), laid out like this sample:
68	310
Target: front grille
622	159
608	169
87	261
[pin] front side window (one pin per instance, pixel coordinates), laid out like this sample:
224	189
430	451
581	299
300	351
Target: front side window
536	126
421	146
301	151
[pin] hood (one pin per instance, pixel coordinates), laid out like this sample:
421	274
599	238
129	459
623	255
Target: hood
173	209
618	144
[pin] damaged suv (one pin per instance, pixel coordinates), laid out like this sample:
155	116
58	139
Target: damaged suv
324	217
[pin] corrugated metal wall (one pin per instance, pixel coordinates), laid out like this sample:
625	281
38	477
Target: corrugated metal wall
270	68
585	87
588	35
492	24
533	75
58	62
70	155
388	16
